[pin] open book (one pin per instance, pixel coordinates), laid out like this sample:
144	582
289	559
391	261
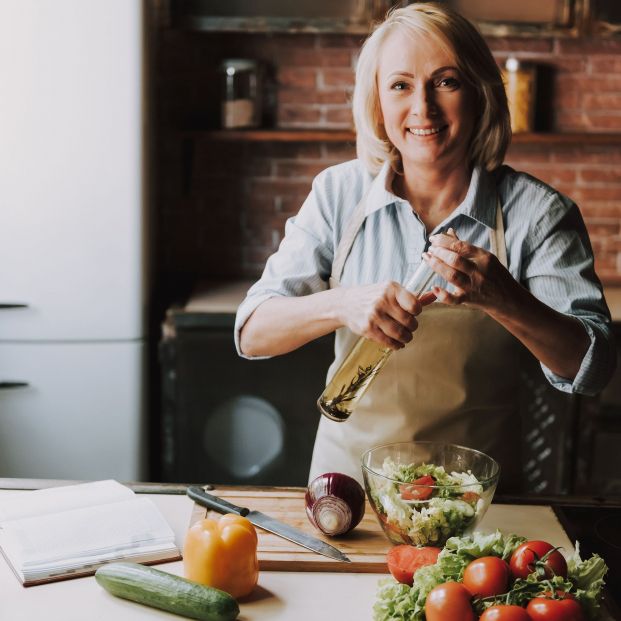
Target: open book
70	531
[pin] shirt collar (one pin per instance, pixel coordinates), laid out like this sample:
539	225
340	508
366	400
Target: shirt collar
478	204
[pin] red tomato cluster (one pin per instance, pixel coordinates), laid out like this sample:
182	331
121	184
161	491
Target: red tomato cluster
486	577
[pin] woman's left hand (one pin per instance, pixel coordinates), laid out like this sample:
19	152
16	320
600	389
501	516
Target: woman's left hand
478	278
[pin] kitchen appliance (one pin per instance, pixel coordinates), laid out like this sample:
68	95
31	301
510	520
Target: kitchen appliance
231	420
72	239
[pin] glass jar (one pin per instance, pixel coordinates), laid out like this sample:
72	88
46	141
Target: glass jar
240	104
520	83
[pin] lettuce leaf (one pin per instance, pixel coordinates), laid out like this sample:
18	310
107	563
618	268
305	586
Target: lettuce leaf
588	578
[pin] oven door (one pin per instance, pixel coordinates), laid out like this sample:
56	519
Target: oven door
227	420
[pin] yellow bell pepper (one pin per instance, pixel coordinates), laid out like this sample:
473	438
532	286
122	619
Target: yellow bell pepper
222	554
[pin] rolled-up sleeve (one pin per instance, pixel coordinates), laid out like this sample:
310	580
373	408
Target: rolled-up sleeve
303	261
559	270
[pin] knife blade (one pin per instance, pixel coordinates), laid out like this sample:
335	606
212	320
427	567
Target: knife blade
266	522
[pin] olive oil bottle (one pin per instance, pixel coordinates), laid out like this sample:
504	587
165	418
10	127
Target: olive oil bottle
362	364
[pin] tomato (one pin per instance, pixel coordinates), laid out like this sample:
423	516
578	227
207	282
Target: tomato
470	497
486	576
404	560
503	612
418	489
450	600
545	609
524	559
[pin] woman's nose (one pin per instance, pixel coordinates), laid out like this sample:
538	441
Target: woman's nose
423	104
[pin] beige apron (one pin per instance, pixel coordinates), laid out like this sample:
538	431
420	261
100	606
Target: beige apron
456	381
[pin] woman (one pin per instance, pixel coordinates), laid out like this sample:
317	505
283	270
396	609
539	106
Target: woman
512	259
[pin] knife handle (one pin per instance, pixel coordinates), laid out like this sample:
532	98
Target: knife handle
199	495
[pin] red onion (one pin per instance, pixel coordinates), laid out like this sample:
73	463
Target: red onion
334	503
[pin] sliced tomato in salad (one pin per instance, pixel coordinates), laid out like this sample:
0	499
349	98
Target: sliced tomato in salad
419	489
470	497
404	560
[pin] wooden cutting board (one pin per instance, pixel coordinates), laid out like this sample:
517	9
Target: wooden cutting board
366	546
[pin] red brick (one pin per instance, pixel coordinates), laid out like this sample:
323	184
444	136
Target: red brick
597	194
295	77
605	64
589	121
606	101
595	209
287	150
331	78
600	175
290	205
570	64
298	170
523	153
517	45
554	175
298	116
305	96
588	84
339	152
329	41
589	154
602	227
266	187
589	46
568	101
317	57
339	115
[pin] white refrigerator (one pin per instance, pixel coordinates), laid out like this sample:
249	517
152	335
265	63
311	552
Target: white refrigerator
72	239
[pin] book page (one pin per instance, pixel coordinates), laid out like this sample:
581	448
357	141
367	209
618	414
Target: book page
63	498
75	537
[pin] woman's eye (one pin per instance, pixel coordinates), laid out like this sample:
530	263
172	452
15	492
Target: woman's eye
399	86
448	83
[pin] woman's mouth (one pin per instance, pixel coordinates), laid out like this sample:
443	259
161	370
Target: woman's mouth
427	131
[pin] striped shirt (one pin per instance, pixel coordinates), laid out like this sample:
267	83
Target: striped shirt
548	249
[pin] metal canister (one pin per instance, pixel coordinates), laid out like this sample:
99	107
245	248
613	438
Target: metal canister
520	84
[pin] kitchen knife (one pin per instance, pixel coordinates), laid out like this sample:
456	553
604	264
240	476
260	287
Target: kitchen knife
266	523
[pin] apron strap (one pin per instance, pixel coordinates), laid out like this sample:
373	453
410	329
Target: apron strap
498	244
346	242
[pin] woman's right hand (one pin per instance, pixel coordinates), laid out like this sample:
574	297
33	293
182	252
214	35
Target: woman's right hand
383	312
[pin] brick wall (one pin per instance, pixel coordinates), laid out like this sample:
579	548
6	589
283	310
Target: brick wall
221	207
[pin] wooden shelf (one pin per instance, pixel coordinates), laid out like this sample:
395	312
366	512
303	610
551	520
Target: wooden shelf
568	138
328	135
273	135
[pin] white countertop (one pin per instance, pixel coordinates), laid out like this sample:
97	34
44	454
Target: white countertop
280	596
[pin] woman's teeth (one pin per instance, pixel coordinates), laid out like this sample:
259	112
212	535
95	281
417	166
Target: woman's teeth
425	132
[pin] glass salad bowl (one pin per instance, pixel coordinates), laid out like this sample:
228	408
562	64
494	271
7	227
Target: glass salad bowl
423	493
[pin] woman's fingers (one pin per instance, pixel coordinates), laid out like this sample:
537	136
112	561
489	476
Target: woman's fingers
458	272
385	313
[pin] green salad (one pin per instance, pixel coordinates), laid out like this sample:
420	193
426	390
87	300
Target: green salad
424	504
400	602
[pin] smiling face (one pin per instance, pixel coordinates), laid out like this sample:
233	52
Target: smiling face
427	108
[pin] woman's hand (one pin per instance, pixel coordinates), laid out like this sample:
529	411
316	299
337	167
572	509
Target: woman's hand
383	312
478	278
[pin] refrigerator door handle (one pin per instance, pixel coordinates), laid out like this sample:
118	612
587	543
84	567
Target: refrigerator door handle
8	385
9	305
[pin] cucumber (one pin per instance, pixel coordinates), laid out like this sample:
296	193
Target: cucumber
159	589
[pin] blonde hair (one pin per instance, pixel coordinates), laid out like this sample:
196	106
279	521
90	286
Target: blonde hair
492	131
